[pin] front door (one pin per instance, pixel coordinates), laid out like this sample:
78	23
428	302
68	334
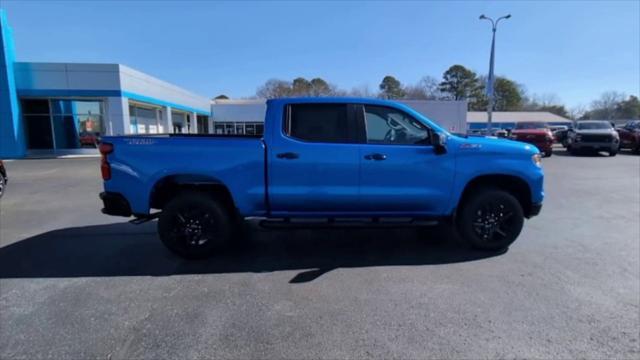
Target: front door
314	161
400	171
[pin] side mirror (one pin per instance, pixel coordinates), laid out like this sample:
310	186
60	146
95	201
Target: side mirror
438	141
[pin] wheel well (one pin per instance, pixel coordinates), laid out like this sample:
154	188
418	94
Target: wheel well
170	187
512	184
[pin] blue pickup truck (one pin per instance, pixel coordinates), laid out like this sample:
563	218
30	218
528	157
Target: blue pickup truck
337	161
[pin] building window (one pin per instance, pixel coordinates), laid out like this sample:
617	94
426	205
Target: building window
238	128
203	124
37	122
62	123
179	121
145	119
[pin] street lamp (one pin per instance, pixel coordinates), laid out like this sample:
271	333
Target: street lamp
491	79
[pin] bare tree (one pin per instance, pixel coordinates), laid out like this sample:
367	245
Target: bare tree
274	88
362	91
427	88
577	112
604	108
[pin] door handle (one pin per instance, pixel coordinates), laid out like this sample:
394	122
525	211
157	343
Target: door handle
287	155
377	157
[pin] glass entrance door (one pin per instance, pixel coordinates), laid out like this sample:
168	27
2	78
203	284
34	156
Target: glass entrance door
37	121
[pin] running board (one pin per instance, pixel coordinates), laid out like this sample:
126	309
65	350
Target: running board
345	223
143	219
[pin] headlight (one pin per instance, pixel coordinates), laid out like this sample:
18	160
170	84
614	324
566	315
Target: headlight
537	160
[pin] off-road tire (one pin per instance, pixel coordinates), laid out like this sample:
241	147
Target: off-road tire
490	219
195	226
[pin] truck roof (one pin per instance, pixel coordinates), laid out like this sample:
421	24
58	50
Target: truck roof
321	100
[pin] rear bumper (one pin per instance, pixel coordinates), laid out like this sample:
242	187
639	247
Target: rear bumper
115	204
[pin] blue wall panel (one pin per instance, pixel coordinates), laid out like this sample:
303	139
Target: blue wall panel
12	142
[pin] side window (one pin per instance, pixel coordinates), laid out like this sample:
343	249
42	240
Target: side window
390	126
318	122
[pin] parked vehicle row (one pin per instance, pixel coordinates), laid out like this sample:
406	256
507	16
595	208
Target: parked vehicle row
586	135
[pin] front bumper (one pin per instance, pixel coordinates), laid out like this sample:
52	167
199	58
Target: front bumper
115	204
534	210
544	146
606	146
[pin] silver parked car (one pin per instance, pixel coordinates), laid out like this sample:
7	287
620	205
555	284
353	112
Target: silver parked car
594	135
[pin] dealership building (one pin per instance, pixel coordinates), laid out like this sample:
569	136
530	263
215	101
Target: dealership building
65	107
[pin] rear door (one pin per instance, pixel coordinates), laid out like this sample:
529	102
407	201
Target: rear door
314	160
401	173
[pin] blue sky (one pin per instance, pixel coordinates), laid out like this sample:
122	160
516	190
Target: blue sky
573	49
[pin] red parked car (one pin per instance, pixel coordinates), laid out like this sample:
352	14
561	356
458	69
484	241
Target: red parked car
535	133
630	136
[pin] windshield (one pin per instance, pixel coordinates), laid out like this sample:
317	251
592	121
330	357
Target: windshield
594	125
531	125
633	125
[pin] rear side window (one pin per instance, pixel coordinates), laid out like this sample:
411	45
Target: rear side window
318	122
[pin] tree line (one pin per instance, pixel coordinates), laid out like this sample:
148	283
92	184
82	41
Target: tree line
460	83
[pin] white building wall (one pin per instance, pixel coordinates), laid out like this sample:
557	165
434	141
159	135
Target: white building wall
136	82
451	115
117	116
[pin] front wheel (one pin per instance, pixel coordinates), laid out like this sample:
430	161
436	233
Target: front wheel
491	219
194	226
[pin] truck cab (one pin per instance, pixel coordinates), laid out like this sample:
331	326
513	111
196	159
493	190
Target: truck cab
324	158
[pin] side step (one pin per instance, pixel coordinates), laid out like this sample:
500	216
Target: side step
303	223
143	219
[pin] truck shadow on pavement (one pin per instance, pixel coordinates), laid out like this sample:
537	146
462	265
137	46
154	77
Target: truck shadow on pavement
123	249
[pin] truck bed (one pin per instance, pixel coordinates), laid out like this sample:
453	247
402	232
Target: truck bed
139	162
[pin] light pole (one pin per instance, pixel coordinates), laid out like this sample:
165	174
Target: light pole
490	80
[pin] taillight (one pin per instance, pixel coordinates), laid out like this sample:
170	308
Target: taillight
105	167
105	148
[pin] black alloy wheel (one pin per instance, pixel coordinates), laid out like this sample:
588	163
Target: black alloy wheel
194	226
491	219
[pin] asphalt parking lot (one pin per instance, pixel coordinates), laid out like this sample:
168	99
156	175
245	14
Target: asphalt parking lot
78	284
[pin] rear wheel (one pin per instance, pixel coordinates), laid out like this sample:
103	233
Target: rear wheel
195	226
491	219
3	184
